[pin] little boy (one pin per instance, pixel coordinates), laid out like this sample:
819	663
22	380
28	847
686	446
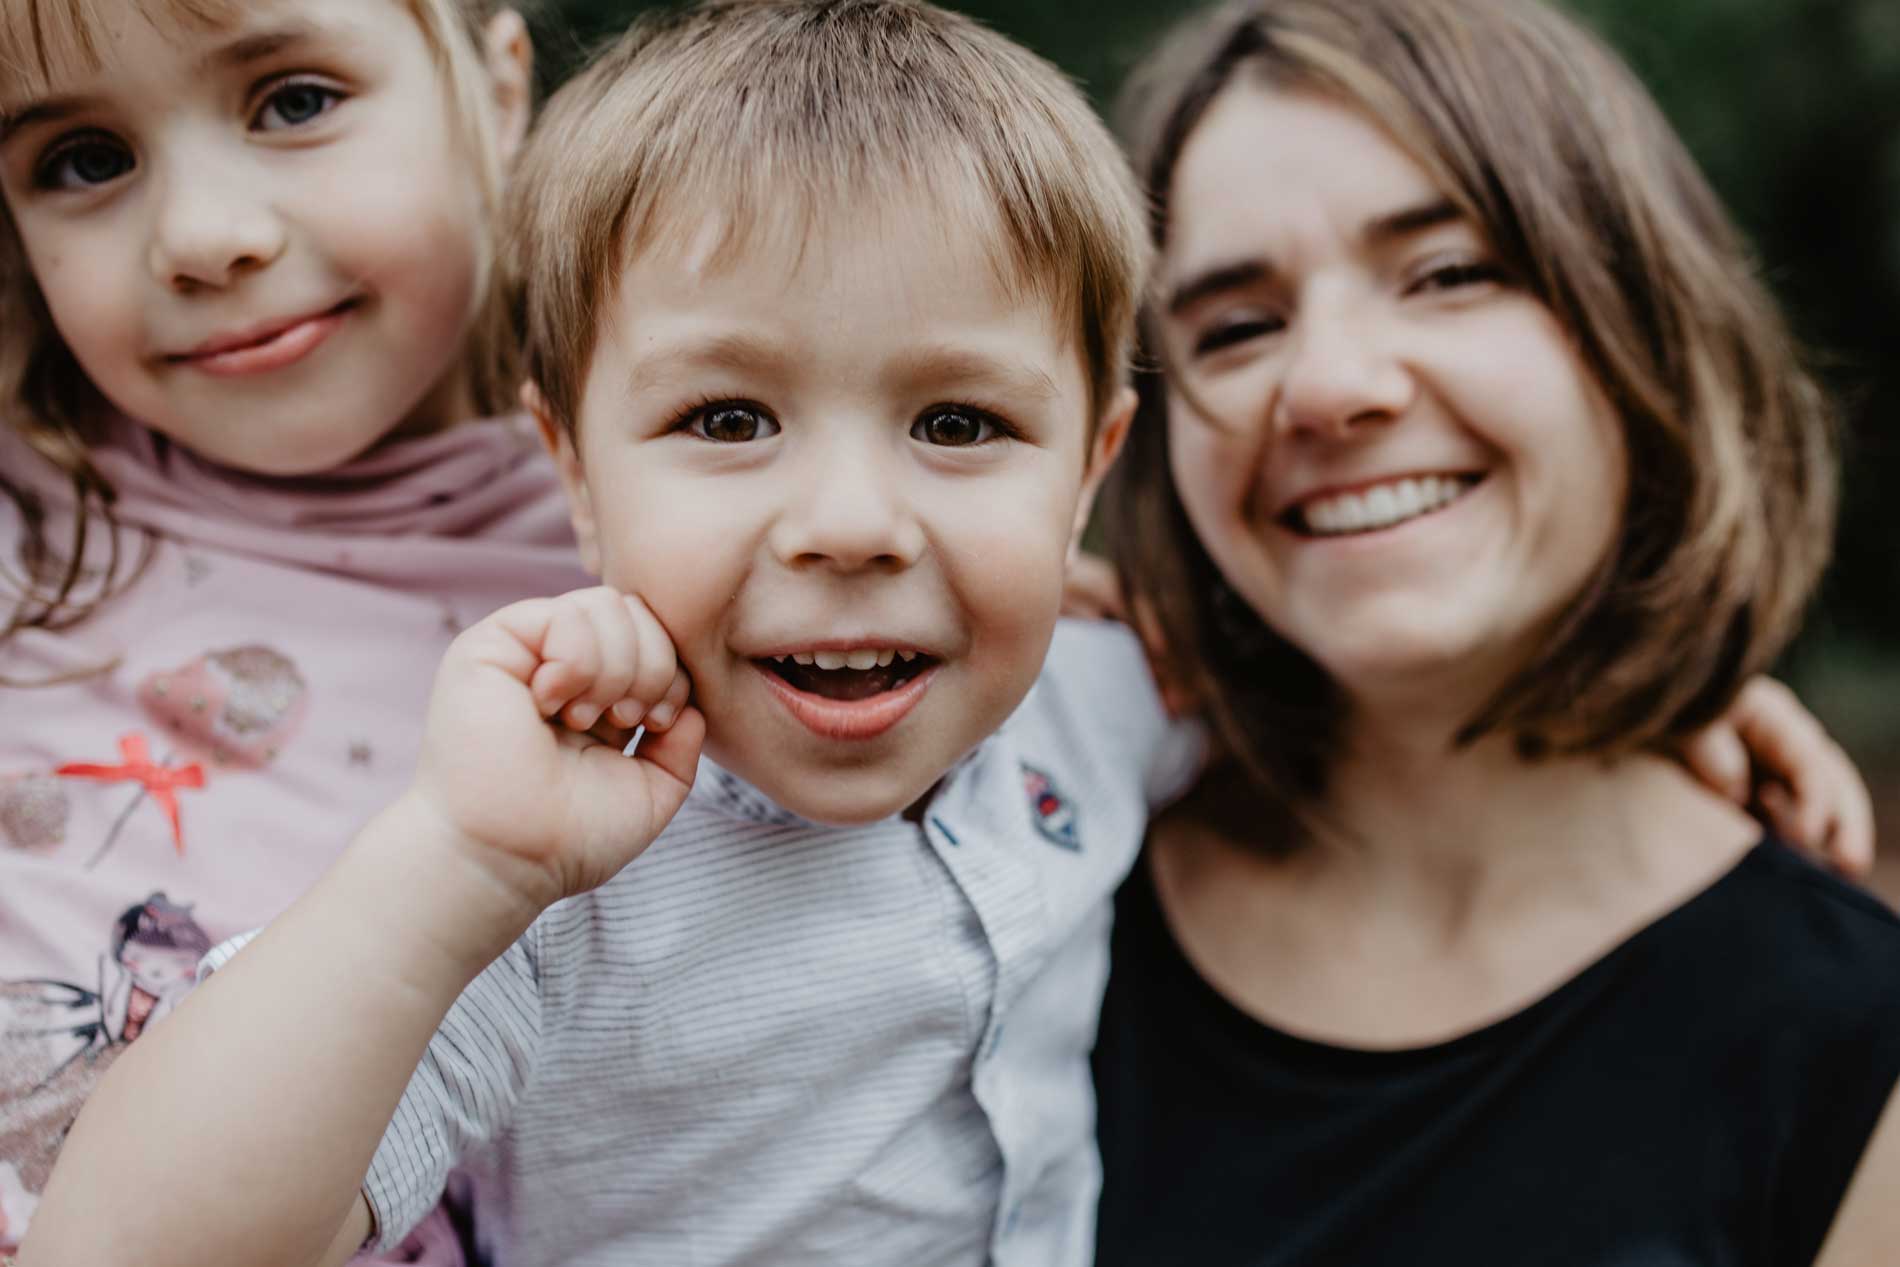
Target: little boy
828	309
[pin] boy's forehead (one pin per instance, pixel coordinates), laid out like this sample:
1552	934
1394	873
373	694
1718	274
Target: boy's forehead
950	300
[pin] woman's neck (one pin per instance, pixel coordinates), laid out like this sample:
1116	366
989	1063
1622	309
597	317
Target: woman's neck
1444	886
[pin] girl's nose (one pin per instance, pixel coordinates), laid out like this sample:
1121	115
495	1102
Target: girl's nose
207	235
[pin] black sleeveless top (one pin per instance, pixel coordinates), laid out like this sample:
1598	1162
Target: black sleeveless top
1700	1095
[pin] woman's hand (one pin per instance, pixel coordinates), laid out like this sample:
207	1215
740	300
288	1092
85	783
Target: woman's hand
1769	752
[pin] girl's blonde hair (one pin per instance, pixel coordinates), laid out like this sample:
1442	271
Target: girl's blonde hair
46	399
1543	138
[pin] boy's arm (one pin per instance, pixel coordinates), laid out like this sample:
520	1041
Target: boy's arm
245	1123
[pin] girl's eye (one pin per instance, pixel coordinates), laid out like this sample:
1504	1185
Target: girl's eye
84	163
293	105
1230	333
732	424
955	428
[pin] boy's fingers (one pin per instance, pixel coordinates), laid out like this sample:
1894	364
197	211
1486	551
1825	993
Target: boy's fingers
657	662
664	713
674	753
617	646
1716	755
570	645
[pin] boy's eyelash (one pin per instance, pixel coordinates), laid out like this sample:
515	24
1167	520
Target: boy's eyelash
1004	427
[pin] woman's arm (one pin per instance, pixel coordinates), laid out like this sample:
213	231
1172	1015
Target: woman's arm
1866	1230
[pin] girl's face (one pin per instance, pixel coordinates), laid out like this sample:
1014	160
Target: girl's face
1403	465
264	239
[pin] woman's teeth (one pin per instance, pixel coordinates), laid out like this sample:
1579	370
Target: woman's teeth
864	658
1383	505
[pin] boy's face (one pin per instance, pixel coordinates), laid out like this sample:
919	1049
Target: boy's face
860	451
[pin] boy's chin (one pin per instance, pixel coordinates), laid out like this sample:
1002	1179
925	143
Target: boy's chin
850	797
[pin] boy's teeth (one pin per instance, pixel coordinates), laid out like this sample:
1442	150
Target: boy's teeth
859	658
1383	506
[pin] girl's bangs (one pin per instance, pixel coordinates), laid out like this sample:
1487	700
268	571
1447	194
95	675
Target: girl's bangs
45	41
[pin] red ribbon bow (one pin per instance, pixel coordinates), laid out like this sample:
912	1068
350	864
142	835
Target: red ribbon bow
161	782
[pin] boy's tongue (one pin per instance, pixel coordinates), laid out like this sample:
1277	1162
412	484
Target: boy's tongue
846	684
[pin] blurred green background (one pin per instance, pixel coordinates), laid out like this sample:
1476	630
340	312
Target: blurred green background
1793	107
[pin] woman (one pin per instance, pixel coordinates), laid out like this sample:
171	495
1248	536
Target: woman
1484	470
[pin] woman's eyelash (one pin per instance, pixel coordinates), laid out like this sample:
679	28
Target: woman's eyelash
1230	333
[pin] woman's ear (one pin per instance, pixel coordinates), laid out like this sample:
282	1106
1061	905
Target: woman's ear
567	461
508	57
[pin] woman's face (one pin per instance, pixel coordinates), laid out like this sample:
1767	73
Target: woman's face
1402	464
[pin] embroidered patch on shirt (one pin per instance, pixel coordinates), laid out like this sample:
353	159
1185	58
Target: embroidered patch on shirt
1050	810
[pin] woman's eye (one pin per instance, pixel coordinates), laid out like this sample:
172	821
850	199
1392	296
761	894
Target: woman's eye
294	105
1230	333
732	424
1458	275
954	428
85	164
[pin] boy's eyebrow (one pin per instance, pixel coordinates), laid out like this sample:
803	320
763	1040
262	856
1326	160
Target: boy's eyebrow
1380	230
954	366
724	352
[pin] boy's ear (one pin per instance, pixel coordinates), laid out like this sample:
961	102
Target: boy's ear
567	460
508	55
1110	432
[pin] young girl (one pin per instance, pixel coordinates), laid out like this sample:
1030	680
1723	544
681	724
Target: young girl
1486	468
248	281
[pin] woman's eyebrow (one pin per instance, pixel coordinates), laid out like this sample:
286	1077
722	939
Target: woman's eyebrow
1384	229
1232	275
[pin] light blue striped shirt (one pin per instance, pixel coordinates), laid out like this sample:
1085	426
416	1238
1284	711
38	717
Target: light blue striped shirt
772	1041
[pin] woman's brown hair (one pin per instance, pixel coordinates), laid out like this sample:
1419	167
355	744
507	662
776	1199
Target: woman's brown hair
1553	149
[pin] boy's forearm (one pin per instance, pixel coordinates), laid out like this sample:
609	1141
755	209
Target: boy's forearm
246	1121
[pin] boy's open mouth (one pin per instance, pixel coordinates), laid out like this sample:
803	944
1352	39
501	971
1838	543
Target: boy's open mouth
847	675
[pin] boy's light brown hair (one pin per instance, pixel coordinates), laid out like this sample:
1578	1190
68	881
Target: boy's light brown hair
768	116
46	398
1553	149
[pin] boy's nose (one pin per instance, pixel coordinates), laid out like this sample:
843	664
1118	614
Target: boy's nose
848	513
207	237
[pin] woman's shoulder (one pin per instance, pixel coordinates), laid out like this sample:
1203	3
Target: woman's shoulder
1804	944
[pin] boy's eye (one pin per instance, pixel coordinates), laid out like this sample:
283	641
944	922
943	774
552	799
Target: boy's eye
84	163
732	424
293	105
954	428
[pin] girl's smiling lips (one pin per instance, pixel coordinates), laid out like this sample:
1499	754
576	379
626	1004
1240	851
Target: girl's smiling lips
265	348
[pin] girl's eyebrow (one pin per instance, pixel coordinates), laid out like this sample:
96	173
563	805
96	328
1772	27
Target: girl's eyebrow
50	110
258	46
245	50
